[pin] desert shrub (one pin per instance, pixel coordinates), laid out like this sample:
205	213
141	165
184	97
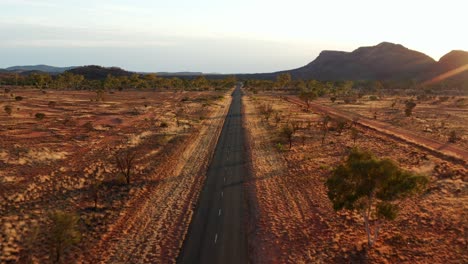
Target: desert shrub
287	131
163	124
8	109
422	97
333	99
63	233
349	100
39	116
409	106
279	146
18	98
341	125
277	118
373	98
266	110
52	104
185	99
443	98
453	136
7	90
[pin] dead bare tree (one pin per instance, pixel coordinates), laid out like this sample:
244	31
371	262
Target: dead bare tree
325	122
354	135
125	161
96	184
287	131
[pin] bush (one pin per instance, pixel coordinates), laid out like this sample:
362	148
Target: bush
52	104
373	98
349	100
39	116
279	147
453	137
18	98
8	109
443	98
163	124
409	106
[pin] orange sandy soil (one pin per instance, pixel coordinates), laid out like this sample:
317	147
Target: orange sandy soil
46	164
291	219
431	118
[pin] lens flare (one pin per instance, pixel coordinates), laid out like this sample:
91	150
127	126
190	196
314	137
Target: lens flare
446	75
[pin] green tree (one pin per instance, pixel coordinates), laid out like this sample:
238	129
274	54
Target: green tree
283	80
200	83
229	82
111	82
307	96
177	83
135	81
63	233
152	80
373	188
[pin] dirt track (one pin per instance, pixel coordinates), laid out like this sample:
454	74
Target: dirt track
432	145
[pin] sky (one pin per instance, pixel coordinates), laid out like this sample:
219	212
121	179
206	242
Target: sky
223	36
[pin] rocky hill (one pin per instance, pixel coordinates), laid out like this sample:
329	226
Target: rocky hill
94	72
381	62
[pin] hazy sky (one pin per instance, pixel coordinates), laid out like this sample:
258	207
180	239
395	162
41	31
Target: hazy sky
226	36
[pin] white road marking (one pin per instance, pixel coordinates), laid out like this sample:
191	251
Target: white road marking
216	237
219	212
224	179
222	194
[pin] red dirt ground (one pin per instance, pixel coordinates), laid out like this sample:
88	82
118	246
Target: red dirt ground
291	219
46	165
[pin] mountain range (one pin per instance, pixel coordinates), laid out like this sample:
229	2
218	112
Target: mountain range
385	61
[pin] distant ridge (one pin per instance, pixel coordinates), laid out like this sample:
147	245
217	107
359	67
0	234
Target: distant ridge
40	68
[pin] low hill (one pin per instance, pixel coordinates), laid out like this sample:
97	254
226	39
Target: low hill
94	72
39	68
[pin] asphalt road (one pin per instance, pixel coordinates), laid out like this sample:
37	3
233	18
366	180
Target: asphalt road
216	234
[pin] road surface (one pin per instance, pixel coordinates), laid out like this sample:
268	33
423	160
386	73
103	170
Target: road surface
216	234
